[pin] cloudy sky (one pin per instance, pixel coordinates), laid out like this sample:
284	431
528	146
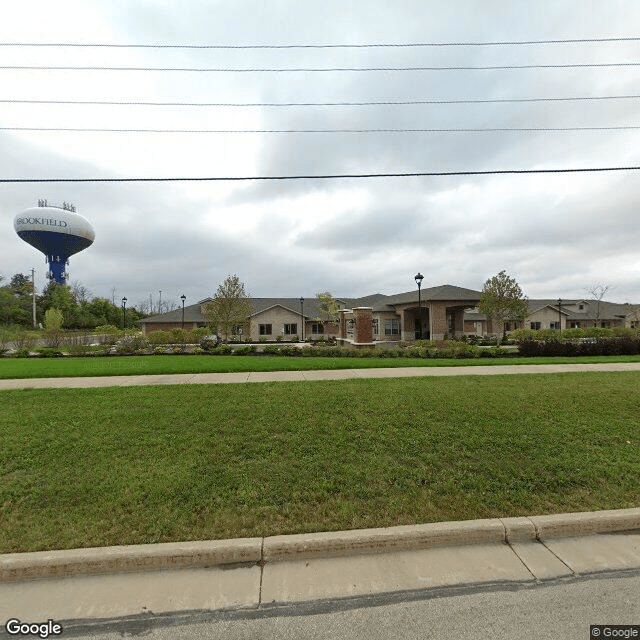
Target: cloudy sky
557	234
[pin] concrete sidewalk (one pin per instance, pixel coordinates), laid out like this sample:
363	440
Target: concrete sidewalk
300	376
256	573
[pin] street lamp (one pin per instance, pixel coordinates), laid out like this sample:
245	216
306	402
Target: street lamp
418	278
302	314
183	298
559	313
124	312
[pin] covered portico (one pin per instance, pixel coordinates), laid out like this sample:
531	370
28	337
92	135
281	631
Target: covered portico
439	312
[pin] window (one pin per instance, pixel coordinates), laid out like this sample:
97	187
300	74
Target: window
392	327
581	306
376	326
535	326
575	325
317	328
554	325
290	329
265	329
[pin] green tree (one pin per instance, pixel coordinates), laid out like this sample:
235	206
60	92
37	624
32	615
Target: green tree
229	308
329	307
15	301
502	300
60	297
53	319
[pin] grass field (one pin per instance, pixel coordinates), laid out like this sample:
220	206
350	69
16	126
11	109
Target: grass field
93	467
140	365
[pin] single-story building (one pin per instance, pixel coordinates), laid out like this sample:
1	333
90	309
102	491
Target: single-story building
569	314
433	313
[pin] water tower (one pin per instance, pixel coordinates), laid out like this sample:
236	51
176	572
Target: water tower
57	231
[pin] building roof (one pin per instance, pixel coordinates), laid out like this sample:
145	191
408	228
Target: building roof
443	292
380	303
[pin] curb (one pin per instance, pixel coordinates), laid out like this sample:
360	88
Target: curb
250	551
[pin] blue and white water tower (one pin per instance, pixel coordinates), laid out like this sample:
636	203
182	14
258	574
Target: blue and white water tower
57	231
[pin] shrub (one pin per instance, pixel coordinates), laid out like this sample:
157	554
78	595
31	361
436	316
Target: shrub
272	349
295	339
222	350
109	329
179	335
200	332
572	334
624	332
159	337
245	350
599	332
21	352
159	350
53	338
582	347
279	338
209	343
25	340
48	352
130	344
79	349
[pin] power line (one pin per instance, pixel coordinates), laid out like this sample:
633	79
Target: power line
326	176
319	104
284	131
319	69
319	46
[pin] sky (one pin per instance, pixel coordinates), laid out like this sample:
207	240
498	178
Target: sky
557	234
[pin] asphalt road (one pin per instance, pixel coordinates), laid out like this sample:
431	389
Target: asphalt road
562	609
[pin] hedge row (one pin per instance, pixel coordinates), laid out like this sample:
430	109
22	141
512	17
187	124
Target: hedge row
583	347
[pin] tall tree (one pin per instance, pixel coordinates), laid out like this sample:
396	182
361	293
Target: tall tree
502	300
229	308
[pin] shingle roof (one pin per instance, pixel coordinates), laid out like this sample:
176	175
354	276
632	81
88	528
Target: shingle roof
443	292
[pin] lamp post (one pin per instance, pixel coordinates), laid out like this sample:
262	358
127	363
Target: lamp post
124	312
559	313
183	298
418	278
302	314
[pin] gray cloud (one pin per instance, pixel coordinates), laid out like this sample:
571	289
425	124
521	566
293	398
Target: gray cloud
351	237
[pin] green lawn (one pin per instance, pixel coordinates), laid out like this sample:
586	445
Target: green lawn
93	467
167	364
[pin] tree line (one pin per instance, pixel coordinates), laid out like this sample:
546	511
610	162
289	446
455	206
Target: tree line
78	308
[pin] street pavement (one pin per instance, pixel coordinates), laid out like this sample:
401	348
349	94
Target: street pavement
148	586
301	376
553	610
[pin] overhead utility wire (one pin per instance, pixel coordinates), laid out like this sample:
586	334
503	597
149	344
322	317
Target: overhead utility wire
387	130
315	104
318	69
326	176
317	46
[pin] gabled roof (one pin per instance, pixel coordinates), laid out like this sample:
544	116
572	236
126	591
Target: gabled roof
443	292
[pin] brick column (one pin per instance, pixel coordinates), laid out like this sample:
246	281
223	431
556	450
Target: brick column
458	323
437	320
342	324
364	330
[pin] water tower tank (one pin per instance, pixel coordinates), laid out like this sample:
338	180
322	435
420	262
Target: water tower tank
57	231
